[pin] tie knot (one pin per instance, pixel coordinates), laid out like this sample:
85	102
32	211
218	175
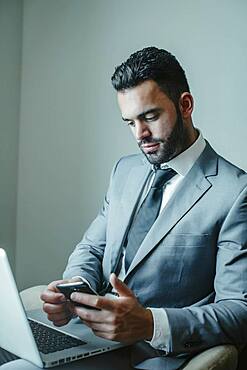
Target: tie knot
162	176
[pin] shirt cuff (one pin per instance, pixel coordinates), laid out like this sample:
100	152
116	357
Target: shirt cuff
161	333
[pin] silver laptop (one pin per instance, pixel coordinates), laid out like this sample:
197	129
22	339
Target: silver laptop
40	342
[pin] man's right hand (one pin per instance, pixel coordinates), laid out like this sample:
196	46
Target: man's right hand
58	309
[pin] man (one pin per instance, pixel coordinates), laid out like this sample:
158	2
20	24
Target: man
171	237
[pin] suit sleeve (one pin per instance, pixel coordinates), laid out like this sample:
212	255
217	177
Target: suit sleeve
86	259
194	328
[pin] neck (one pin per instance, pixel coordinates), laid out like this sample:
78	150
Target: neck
190	135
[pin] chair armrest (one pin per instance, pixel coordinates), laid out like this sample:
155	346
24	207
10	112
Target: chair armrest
223	357
31	297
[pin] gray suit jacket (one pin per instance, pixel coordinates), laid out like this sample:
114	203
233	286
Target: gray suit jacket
193	262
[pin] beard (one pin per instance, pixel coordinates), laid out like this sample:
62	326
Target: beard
168	148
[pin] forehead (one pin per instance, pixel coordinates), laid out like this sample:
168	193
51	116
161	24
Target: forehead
141	98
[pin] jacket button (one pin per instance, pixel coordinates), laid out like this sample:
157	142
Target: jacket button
192	344
188	345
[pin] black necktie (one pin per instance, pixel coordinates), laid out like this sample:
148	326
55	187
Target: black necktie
147	214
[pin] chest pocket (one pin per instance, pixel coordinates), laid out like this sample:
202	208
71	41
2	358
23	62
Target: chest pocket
186	240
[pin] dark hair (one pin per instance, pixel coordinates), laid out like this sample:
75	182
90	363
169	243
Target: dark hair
154	64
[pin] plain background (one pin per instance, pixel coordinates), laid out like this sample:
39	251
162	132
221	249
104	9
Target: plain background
61	131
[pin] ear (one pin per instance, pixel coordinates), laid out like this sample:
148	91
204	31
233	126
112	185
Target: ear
186	104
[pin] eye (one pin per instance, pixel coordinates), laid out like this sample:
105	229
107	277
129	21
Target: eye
130	123
151	117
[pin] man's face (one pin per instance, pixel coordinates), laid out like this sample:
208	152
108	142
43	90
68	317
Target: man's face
154	121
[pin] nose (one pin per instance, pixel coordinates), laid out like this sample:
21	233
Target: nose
141	131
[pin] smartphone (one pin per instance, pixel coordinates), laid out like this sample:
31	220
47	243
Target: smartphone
78	286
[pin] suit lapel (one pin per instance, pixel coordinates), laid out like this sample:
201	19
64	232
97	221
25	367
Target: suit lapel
189	191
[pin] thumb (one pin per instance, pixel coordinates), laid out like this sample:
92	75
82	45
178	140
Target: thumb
120	287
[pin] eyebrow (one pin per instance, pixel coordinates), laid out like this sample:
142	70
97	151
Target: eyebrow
143	114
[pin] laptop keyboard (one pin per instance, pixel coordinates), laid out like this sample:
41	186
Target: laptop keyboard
49	340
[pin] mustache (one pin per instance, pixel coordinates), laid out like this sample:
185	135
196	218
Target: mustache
149	141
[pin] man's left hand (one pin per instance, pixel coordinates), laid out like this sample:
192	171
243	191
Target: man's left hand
122	319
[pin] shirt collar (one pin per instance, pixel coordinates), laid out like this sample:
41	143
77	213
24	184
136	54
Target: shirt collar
183	162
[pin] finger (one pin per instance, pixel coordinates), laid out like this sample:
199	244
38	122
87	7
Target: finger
89	315
83	298
53	285
59	317
104	335
120	287
61	322
52	297
94	301
59	313
100	327
54	308
111	336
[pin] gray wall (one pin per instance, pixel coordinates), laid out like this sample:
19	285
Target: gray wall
70	128
10	73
